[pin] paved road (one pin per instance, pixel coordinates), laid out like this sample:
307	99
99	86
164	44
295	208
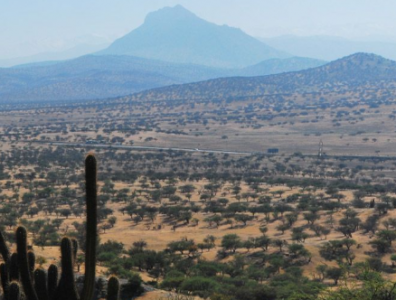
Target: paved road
114	146
217	151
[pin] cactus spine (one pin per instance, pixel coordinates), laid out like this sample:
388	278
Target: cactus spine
15	291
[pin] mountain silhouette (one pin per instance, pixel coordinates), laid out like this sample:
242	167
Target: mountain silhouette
175	34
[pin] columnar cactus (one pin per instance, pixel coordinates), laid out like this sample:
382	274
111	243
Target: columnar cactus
15	291
52	282
5	253
40	285
91	203
5	280
113	288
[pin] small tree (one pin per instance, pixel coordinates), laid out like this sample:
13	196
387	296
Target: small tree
334	274
231	242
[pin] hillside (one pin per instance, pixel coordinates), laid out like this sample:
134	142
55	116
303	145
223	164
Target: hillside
91	77
177	35
277	66
94	77
356	70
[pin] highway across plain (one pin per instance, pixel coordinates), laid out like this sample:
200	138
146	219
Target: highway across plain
152	148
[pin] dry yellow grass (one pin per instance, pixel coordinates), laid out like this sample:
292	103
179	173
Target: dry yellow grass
127	232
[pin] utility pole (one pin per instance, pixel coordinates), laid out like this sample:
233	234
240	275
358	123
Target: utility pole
320	153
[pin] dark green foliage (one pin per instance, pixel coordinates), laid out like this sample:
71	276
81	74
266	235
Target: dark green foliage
199	285
335	274
133	288
112	247
231	242
372	288
173	280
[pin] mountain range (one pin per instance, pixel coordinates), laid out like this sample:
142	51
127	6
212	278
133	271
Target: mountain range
98	77
175	47
92	77
358	70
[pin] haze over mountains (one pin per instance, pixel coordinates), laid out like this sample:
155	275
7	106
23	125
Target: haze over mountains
173	46
328	47
122	68
74	52
58	49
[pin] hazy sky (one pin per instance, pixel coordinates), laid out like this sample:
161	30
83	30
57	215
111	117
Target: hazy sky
33	26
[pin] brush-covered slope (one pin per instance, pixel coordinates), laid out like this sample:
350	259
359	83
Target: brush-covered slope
356	70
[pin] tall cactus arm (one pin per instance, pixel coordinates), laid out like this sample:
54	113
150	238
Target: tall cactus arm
5	281
23	264
5	253
52	280
32	264
15	291
67	289
113	289
91	239
75	249
13	269
40	283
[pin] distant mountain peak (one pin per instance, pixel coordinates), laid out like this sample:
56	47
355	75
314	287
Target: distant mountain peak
364	56
175	13
174	34
363	61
